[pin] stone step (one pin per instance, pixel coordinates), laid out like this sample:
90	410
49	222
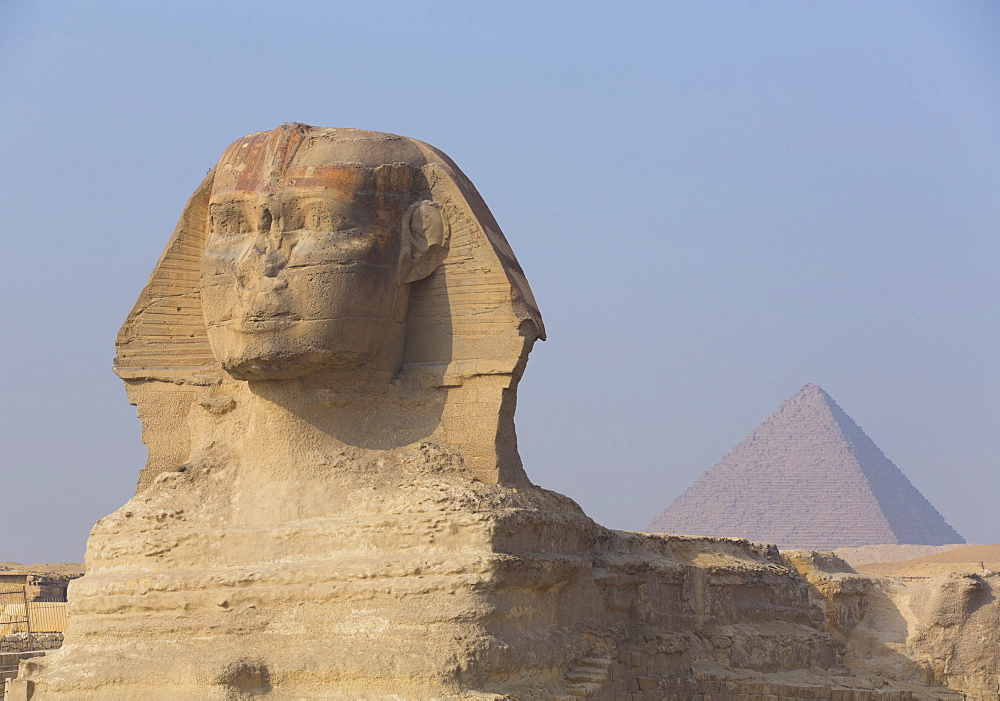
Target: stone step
585	674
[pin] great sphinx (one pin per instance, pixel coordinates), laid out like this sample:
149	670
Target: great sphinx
324	363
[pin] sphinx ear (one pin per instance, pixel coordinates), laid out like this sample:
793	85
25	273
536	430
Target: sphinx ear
426	235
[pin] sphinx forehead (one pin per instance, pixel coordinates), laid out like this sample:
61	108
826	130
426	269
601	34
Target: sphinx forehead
298	155
366	148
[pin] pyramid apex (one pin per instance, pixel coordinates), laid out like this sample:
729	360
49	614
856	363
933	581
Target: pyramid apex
812	392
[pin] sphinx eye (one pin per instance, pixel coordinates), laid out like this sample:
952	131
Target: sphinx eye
227	222
319	219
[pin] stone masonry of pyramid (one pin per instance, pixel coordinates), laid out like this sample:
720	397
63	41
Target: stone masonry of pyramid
807	477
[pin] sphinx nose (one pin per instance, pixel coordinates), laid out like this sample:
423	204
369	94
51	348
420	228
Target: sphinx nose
266	256
261	261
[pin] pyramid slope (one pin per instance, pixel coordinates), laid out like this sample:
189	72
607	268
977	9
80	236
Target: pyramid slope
807	477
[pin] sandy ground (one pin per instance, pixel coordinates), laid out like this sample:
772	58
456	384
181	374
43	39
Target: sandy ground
970	558
66	568
868	554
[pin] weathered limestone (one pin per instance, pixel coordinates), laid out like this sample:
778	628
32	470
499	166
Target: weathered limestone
807	477
942	631
324	363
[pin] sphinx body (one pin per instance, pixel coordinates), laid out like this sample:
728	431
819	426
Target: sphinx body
324	363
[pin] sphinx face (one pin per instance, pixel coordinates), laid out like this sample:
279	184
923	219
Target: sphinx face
301	279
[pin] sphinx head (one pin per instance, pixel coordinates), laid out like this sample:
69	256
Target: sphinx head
344	258
310	251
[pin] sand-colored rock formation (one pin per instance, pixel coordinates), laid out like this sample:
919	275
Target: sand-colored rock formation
324	363
943	631
807	477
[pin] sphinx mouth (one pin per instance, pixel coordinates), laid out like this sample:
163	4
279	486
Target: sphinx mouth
269	316
255	323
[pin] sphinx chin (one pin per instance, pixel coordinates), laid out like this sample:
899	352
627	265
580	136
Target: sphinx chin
285	365
285	349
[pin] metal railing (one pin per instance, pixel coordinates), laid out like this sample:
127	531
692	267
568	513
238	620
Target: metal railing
46	616
27	625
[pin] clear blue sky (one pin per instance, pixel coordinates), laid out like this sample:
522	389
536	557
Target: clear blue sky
715	203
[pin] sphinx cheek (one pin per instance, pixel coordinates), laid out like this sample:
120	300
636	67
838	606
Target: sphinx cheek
218	288
218	298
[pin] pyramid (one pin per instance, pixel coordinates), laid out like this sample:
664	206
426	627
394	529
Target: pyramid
807	477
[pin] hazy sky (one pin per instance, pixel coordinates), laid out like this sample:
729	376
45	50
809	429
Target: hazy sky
714	202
